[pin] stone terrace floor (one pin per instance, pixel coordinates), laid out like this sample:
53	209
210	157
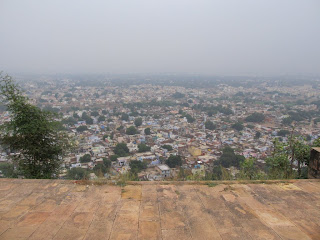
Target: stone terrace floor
54	209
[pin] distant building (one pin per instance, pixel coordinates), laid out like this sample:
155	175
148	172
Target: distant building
314	164
164	170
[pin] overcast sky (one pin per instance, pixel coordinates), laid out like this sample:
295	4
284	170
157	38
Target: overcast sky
229	37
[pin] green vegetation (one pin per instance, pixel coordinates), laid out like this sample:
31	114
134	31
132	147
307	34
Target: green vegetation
143	148
147	131
101	118
137	166
131	130
77	174
124	117
174	161
121	150
8	171
138	122
85	158
168	147
209	125
283	133
255	117
229	158
237	126
82	128
33	133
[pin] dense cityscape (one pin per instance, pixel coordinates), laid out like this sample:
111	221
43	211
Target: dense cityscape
160	127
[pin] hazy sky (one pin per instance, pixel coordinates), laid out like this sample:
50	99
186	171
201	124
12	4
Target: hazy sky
231	37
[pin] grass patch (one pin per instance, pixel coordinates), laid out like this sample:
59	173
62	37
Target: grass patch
211	184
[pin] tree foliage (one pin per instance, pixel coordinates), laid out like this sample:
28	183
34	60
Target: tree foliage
174	161
168	147
85	158
229	158
237	126
255	117
209	125
121	149
138	122
143	148
131	130
31	132
77	174
147	131
137	166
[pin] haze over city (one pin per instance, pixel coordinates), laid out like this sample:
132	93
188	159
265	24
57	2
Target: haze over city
208	37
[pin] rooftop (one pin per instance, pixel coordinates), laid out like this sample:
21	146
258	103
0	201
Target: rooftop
56	209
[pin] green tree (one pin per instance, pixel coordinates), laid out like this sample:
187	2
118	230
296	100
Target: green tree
147	131
124	117
85	158
283	133
131	130
287	121
278	165
95	114
82	128
33	133
143	148
237	126
229	158
209	125
248	169
77	174
168	147
190	119
255	117
121	149
8	170
138	122
114	158
174	161
258	135
137	166
101	118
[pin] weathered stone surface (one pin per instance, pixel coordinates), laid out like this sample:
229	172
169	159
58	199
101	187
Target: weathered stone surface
53	209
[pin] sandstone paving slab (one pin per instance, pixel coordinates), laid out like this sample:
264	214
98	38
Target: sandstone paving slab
149	230
291	233
131	192
49	228
79	220
15	213
235	234
176	234
46	209
149	211
258	230
70	233
99	230
33	219
17	233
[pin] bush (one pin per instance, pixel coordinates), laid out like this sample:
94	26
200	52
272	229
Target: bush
77	174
